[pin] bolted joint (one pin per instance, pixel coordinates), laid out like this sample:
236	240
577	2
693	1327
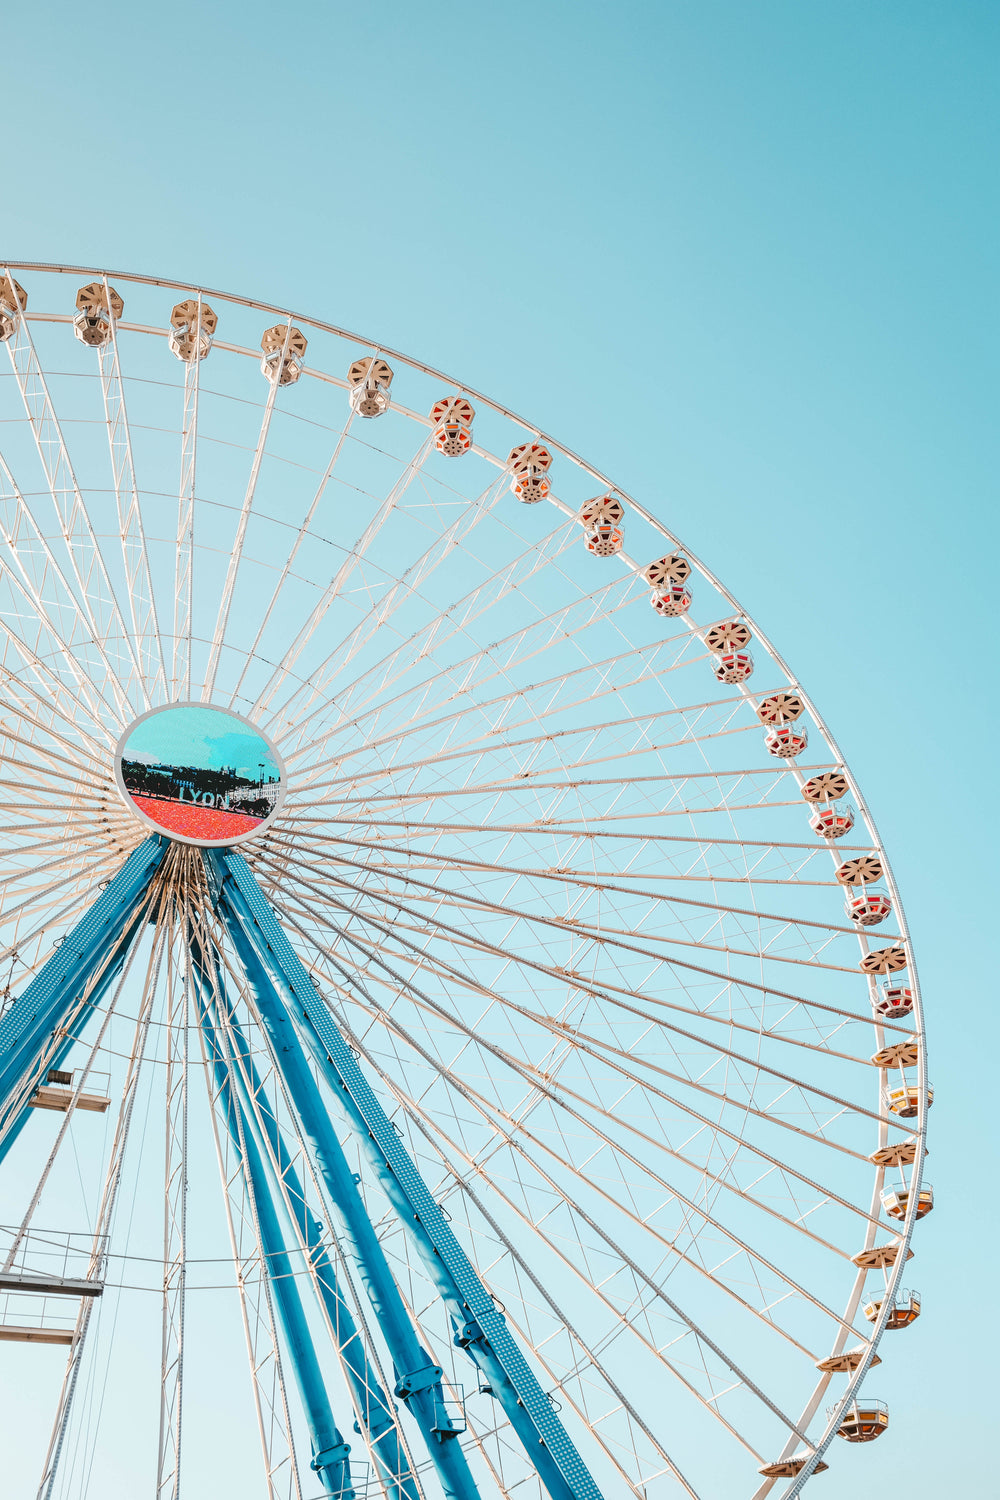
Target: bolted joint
330	1456
378	1425
418	1380
470	1333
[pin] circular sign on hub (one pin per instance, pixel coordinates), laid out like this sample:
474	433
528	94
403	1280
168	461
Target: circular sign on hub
200	775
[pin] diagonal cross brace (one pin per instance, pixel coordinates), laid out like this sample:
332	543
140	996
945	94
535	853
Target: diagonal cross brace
480	1327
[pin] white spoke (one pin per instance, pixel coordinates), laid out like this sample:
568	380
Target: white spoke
236	557
286	571
184	547
336	587
135	552
94	590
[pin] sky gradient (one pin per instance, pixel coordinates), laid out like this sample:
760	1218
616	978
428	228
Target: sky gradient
740	256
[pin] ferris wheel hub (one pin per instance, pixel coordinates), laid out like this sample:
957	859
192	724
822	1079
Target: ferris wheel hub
201	775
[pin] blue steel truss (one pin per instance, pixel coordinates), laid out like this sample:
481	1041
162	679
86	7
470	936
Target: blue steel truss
373	1407
330	1451
299	1026
72	983
418	1378
305	1023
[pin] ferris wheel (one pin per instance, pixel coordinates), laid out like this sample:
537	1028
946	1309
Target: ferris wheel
459	1034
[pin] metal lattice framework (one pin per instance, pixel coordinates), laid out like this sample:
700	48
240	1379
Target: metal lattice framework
539	1102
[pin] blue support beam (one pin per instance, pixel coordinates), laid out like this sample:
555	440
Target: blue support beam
375	1412
480	1328
418	1378
11	1127
83	967
330	1458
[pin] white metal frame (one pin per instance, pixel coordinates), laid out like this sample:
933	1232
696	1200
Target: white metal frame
391	924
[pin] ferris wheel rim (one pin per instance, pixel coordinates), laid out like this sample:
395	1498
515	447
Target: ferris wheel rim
792	681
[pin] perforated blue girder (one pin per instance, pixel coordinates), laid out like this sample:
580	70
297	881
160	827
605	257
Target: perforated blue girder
91	955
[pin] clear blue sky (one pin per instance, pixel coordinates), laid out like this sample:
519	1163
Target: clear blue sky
742	254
